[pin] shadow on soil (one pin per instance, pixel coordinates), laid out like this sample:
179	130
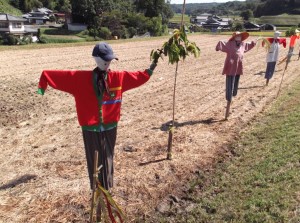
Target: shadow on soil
166	126
15	182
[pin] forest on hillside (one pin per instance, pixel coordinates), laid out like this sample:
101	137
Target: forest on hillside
122	18
258	7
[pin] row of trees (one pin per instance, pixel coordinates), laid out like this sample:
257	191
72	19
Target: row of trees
28	5
256	7
122	18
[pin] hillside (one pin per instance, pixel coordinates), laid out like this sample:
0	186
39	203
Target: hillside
259	7
5	7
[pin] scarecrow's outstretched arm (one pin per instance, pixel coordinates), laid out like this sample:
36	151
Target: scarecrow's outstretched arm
63	80
222	46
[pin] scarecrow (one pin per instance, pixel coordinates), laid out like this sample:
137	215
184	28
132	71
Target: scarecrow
292	44
98	97
235	48
293	40
273	53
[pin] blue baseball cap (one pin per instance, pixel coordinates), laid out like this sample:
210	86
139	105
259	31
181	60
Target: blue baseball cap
104	51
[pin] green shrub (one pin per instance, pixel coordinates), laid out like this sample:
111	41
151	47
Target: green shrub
43	39
199	29
290	31
237	26
11	40
131	31
26	40
154	26
120	32
104	33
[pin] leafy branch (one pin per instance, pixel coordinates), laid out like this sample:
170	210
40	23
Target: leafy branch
178	47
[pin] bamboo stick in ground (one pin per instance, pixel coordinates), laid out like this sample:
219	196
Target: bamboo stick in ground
227	110
170	139
281	79
94	186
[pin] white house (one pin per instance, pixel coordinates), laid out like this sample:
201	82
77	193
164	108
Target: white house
38	16
12	24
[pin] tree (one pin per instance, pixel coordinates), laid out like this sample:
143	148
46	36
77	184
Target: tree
247	14
155	8
292	3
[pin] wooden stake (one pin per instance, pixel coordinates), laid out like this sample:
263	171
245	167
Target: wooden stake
267	82
170	139
282	79
227	110
95	176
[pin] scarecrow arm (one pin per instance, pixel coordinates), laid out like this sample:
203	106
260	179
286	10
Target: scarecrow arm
134	79
222	46
283	42
249	46
58	79
152	66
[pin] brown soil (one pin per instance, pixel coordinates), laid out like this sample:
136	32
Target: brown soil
42	161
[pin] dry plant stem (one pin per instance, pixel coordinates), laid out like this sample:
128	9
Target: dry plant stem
94	185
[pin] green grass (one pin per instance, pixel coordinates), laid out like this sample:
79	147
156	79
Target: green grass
60	35
261	182
177	19
280	20
5	7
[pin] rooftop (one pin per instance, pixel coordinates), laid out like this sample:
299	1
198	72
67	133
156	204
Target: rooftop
7	17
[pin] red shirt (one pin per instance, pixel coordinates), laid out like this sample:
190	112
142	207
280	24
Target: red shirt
94	110
293	40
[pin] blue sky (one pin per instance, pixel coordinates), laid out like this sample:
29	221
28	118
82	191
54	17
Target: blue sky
200	1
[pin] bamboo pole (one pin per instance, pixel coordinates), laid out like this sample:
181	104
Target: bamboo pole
171	127
227	110
94	185
282	79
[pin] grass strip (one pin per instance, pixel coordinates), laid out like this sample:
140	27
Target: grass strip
261	182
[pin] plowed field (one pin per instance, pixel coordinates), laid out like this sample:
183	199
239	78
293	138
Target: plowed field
42	161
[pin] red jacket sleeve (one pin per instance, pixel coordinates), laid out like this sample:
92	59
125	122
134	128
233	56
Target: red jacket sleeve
134	79
283	42
63	80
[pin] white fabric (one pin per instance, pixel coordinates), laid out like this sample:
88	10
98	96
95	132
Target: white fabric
277	34
102	64
273	52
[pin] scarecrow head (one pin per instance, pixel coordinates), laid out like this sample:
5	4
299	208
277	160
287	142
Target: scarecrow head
277	34
103	55
239	37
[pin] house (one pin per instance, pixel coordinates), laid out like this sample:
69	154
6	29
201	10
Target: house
199	19
38	16
212	22
10	24
249	26
268	27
